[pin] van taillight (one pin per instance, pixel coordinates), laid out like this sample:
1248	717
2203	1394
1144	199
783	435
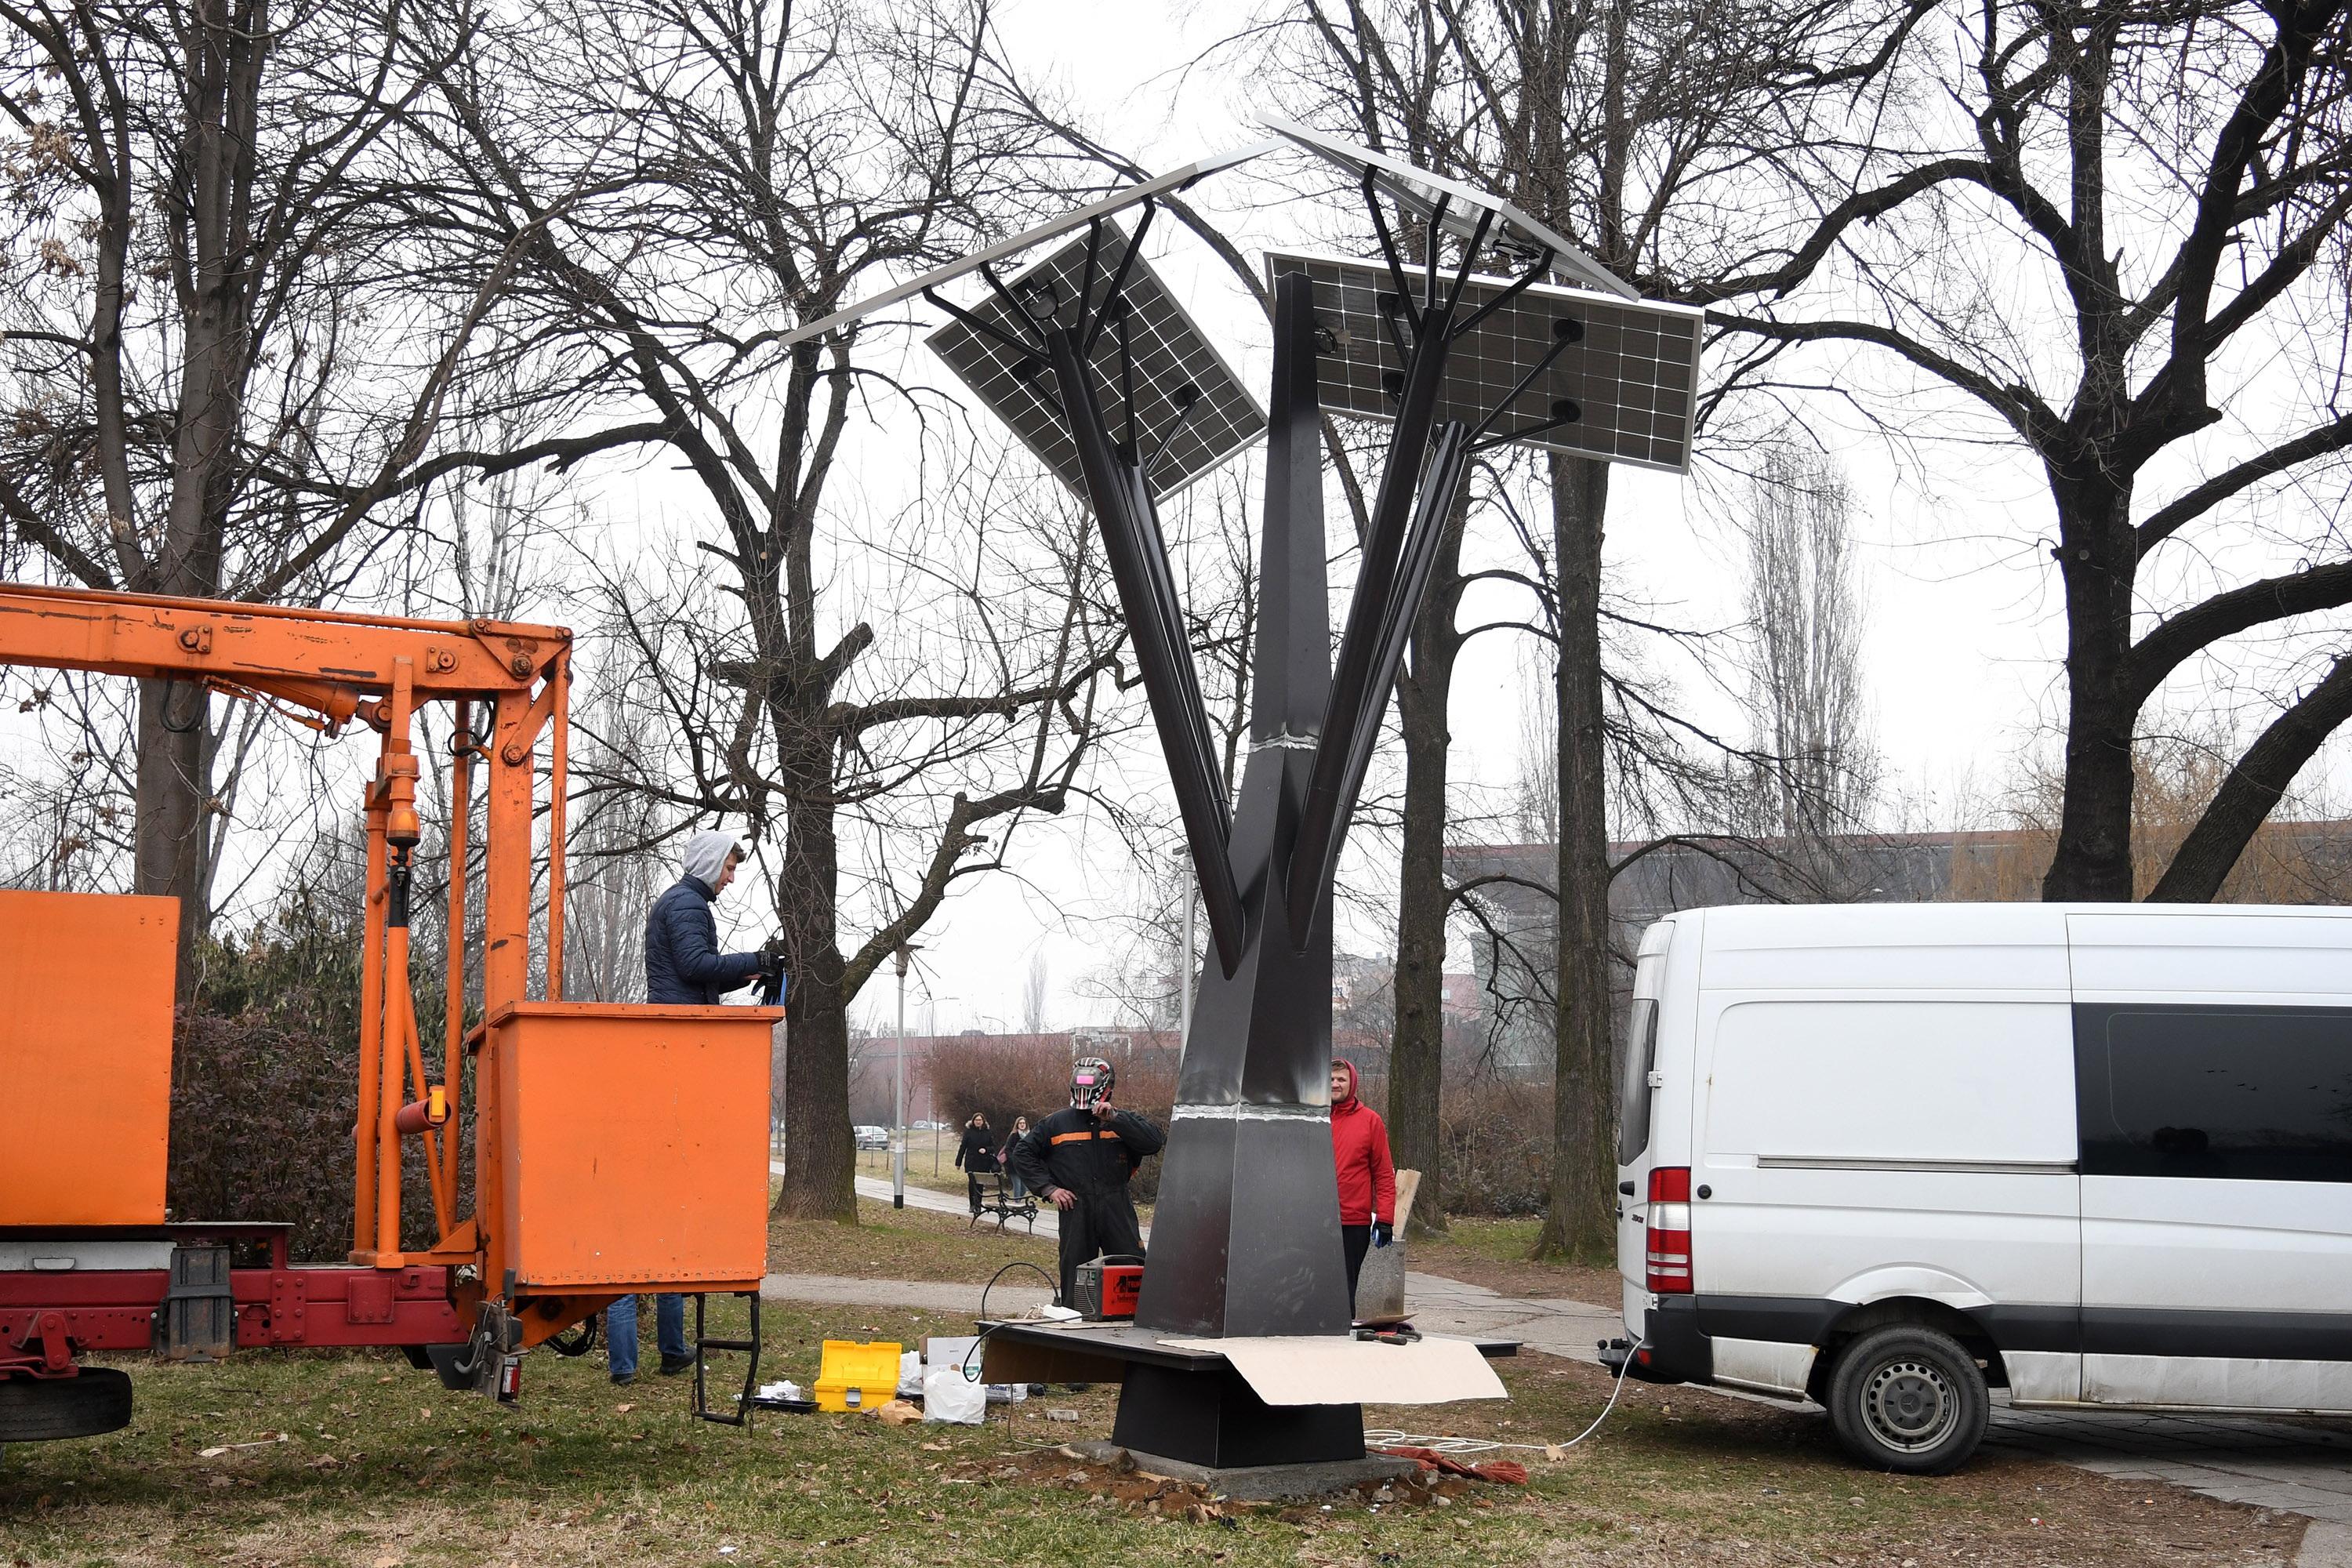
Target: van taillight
1667	1245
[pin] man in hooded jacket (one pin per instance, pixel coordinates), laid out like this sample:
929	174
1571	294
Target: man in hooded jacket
1082	1158
1360	1148
683	964
684	967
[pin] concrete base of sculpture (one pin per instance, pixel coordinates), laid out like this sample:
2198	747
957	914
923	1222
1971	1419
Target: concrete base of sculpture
1257	1483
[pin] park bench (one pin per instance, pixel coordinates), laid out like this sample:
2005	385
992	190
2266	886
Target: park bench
996	1199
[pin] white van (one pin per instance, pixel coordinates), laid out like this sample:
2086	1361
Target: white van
1889	1156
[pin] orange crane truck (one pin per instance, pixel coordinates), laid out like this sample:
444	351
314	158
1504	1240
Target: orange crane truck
588	1183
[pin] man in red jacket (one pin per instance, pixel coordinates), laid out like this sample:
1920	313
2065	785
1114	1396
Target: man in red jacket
1359	1147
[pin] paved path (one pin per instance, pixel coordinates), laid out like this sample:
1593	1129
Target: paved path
935	1202
2296	1467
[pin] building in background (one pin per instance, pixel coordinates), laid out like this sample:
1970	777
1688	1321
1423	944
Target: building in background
1514	924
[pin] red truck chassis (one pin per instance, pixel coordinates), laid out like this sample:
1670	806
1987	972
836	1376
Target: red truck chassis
226	1287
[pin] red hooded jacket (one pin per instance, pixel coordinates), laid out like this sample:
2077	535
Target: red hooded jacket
1359	1147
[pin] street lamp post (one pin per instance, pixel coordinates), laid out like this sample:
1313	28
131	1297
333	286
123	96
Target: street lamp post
898	1091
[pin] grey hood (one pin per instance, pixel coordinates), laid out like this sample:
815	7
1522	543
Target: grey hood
705	856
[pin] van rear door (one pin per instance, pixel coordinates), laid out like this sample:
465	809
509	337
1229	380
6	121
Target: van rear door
1638	1082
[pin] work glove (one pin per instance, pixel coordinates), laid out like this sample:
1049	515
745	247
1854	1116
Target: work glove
1382	1233
772	955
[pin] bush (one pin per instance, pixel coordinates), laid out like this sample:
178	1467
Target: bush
1496	1145
262	1121
265	1084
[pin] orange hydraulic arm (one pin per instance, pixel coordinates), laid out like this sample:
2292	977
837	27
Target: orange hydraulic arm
335	668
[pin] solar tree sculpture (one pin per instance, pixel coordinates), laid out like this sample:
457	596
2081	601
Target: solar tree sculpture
1093	364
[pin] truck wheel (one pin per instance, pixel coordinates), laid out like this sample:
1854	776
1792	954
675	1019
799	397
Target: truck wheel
42	1409
1908	1398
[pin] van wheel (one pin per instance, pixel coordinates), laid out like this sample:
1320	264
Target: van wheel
1908	1398
44	1409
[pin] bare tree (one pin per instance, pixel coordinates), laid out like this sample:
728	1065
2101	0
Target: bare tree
2118	231
882	706
1033	995
1816	768
229	332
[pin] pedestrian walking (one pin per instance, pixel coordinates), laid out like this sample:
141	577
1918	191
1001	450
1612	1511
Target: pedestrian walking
976	1156
1015	1188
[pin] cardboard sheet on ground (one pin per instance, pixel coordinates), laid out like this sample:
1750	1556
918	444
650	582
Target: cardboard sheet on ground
1326	1370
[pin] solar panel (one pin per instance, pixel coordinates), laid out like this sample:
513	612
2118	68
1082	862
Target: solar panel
1173	363
1633	375
1077	217
1418	191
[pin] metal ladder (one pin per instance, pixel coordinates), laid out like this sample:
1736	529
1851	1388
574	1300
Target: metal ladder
704	1345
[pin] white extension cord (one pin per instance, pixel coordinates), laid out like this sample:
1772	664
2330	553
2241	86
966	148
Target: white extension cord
1439	1443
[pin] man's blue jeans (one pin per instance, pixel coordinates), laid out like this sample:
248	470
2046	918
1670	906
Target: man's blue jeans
621	1332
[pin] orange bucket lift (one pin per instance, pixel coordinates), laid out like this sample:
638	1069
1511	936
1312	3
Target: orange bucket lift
588	1185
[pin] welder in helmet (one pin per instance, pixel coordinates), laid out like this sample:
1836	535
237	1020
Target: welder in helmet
1081	1159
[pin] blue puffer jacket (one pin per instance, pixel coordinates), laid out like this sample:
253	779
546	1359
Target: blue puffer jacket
683	964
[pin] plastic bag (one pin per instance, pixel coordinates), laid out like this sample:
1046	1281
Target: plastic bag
910	1375
947	1395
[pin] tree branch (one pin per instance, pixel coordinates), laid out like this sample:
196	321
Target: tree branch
2253	787
2170	518
2161	652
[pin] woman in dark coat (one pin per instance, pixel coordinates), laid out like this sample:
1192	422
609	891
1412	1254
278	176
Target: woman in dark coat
976	1154
1015	1188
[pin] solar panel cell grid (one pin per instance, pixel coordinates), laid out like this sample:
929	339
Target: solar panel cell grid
1167	351
1631	375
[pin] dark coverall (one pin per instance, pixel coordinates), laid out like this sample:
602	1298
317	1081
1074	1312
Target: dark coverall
1093	1161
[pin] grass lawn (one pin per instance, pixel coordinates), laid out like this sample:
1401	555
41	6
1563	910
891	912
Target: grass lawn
904	1244
931	1163
1493	1253
379	1467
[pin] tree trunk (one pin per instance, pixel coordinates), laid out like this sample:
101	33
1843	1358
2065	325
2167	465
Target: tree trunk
2096	558
227	55
168	858
1580	1223
1417	1044
820	1160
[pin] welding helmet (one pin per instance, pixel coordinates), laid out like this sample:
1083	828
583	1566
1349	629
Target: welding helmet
1090	1081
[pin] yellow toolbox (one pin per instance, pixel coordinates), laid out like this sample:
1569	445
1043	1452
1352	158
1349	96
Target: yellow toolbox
854	1376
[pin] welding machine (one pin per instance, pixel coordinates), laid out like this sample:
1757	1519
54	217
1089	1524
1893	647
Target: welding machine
1107	1287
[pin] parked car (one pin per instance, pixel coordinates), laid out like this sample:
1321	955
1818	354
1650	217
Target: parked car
1890	1157
872	1137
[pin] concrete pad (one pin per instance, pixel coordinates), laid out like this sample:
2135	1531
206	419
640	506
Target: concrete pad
1259	1483
2327	1544
2292	1466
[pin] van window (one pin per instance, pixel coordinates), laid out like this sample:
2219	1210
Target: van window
2252	1094
1902	1081
1633	1079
